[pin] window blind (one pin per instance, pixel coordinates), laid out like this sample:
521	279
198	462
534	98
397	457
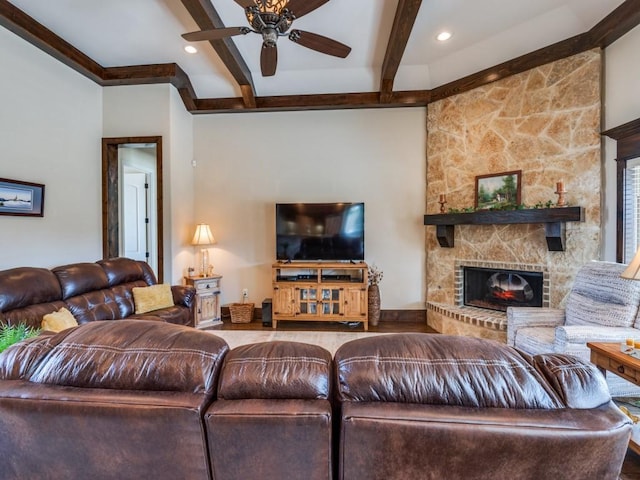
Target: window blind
631	209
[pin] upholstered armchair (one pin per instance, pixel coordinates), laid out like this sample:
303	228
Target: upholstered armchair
601	307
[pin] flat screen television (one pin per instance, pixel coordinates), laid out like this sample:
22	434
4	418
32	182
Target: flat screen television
320	231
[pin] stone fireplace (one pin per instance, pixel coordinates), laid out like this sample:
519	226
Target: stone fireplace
544	122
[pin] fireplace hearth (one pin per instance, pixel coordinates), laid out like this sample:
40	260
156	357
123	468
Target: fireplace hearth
497	289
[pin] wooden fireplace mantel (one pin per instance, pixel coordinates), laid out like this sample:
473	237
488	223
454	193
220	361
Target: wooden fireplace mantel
554	220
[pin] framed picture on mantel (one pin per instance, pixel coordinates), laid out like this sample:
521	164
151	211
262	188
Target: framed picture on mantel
21	198
498	190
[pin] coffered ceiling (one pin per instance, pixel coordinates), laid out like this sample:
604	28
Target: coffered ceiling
395	58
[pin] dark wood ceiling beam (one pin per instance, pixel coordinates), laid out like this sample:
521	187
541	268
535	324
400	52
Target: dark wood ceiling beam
27	28
314	102
151	74
403	22
206	17
616	24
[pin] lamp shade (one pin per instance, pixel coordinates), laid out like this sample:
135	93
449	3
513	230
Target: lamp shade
632	272
203	235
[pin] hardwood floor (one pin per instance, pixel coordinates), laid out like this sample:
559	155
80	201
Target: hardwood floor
630	468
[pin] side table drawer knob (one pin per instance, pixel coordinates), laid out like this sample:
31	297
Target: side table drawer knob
621	368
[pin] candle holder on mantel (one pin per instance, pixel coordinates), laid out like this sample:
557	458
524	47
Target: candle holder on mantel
560	191
442	202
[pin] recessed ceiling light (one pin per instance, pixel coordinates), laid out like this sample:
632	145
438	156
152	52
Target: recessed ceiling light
443	36
190	49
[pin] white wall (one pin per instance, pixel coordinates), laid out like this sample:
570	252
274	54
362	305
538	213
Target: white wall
180	176
50	129
248	162
156	110
621	105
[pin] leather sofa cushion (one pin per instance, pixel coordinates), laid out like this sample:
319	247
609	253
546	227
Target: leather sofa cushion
121	270
439	370
276	370
31	315
17	288
95	305
79	278
133	355
20	360
578	383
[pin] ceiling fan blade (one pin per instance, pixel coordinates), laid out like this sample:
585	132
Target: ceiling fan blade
245	3
319	43
268	60
302	7
215	34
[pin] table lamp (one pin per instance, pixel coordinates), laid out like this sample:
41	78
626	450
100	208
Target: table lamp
203	237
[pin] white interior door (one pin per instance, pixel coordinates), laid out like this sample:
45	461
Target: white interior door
134	216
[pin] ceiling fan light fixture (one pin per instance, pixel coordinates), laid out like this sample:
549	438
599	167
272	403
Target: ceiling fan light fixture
272	19
443	36
272	6
269	37
269	13
190	49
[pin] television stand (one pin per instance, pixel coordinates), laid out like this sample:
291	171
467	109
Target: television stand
320	292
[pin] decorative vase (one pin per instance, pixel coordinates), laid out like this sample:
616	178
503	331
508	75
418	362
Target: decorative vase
374	305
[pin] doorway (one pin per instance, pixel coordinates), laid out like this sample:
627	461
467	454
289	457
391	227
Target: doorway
132	200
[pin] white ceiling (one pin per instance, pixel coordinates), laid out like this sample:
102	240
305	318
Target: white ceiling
485	33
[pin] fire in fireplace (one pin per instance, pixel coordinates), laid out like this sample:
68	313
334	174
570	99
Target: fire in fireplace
499	289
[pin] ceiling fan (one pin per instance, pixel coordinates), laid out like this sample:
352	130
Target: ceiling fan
273	19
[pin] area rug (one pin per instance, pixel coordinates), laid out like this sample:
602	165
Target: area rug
328	340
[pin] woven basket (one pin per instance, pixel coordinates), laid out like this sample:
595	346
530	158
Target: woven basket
241	312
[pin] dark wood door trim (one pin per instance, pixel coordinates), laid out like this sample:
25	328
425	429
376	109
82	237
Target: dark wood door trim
110	197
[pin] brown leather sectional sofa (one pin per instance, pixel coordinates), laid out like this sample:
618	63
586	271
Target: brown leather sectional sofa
90	291
140	399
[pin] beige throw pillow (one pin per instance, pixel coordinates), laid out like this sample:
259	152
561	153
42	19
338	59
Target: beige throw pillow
58	321
152	298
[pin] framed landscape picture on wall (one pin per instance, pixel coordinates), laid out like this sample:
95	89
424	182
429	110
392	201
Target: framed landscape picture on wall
21	198
498	190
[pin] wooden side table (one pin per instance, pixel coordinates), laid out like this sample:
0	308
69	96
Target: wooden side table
608	358
207	311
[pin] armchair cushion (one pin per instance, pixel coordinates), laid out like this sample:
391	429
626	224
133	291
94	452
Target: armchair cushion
599	296
524	317
534	340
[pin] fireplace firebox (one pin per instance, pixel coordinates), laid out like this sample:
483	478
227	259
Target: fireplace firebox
497	289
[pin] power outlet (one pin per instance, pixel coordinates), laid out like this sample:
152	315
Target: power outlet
245	293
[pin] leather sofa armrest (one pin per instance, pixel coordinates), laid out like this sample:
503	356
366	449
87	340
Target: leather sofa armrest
183	295
522	317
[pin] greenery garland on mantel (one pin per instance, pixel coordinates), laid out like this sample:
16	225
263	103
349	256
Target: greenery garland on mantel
503	208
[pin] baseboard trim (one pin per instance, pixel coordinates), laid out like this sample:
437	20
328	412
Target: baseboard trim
395	316
410	316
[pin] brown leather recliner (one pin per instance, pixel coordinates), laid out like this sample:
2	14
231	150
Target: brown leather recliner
433	407
273	416
108	400
91	291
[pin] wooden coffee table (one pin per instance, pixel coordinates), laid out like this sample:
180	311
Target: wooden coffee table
608	358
